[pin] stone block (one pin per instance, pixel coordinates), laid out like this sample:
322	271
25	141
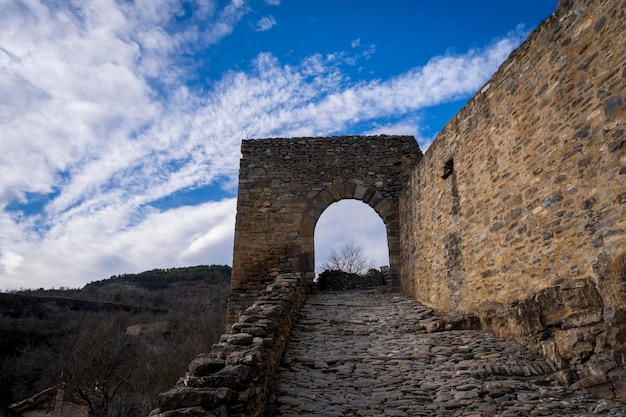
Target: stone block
522	319
590	381
550	302
580	295
186	412
237	339
575	345
612	315
620	390
205	365
582	319
602	390
257	330
274	311
184	397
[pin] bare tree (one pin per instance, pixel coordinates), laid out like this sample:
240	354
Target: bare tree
99	366
349	258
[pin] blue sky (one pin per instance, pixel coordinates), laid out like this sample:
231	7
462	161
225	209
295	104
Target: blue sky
121	121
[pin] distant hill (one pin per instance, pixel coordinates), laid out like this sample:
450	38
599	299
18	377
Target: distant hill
41	330
162	278
39	306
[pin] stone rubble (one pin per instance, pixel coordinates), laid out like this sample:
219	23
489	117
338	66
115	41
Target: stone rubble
368	352
234	379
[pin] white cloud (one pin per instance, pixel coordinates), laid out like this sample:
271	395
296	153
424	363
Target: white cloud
273	2
265	23
96	247
78	82
371	50
409	127
94	113
355	43
10	261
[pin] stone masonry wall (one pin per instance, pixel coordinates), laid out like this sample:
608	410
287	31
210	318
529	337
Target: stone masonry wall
235	378
336	280
517	212
286	184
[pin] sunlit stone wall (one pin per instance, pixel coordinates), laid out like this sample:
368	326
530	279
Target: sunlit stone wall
286	184
537	190
517	212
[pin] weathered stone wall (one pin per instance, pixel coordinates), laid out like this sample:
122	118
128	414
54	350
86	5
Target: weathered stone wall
519	205
335	280
286	184
235	378
538	190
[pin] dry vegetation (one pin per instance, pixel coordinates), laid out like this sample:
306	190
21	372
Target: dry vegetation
84	338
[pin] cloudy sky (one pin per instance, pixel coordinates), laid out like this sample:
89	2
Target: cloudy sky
121	120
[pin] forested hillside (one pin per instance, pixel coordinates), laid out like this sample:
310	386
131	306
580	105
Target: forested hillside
114	343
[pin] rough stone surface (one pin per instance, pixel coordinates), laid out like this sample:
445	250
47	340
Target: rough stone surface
535	195
367	352
339	280
235	378
286	184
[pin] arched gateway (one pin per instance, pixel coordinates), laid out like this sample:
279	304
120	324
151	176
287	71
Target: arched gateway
286	184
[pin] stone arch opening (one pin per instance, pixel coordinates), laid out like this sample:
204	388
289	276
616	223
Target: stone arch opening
338	192
351	221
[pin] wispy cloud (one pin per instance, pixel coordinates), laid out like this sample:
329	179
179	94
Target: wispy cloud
98	122
90	247
265	23
404	127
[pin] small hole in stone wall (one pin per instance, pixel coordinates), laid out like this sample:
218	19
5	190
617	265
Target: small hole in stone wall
448	168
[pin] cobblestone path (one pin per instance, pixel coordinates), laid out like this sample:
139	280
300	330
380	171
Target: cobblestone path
366	353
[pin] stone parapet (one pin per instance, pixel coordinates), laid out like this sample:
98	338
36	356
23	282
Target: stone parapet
334	280
235	378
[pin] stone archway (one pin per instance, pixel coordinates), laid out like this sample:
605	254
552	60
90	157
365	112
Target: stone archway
286	184
338	192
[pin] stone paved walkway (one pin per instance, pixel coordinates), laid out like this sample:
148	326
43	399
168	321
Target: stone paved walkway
366	353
